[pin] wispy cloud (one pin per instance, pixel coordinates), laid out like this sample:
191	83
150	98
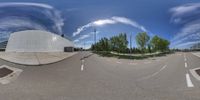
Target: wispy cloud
188	16
82	37
112	20
185	45
14	4
29	17
48	11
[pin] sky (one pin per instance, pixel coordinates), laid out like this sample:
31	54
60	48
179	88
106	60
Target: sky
175	20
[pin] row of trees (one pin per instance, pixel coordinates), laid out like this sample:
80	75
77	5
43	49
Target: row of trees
119	44
153	45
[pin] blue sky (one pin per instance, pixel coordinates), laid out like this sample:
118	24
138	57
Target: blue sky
175	20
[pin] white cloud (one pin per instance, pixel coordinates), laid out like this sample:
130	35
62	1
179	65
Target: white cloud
77	40
188	33
82	37
112	20
187	44
11	22
14	4
183	9
187	30
187	16
104	22
127	21
48	11
181	14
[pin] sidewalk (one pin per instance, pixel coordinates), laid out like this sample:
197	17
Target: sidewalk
196	54
33	58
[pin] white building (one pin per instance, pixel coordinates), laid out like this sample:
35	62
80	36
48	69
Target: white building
37	41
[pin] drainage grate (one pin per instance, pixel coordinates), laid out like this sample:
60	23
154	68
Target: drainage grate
5	71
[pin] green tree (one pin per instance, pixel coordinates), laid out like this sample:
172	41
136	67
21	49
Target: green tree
142	40
122	42
119	43
104	44
159	44
165	45
155	43
149	48
113	41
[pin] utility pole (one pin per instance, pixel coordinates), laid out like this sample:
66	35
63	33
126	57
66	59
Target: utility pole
84	45
130	43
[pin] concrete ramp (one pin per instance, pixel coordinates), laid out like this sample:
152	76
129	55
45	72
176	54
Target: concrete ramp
35	58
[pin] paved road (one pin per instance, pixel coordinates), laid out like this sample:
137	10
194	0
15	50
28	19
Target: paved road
101	78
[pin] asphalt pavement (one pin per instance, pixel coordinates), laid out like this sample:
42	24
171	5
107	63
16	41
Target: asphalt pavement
87	76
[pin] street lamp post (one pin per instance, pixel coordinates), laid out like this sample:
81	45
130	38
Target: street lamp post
95	35
95	38
130	44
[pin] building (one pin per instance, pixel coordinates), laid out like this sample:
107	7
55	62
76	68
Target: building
195	46
37	41
3	45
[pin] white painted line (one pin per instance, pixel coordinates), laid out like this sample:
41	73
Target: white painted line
82	66
185	59
196	54
147	62
194	73
154	74
132	63
119	62
159	70
188	80
186	65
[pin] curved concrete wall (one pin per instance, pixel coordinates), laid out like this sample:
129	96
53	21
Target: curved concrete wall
36	41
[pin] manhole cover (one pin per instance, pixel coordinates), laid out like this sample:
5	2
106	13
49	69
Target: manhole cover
4	72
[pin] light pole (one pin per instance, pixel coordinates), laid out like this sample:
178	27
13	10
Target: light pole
130	44
95	35
84	45
95	38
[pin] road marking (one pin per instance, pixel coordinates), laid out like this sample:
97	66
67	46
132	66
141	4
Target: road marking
188	80
185	59
82	66
132	63
119	62
154	74
147	62
159	70
185	65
